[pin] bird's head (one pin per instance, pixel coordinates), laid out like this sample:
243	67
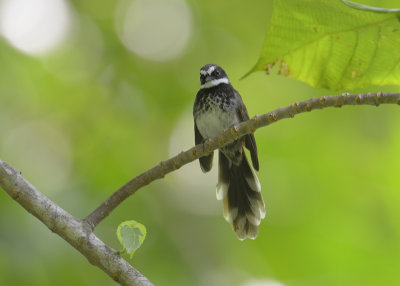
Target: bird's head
212	75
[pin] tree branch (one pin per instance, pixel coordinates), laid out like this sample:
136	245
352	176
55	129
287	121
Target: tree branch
75	231
230	135
79	233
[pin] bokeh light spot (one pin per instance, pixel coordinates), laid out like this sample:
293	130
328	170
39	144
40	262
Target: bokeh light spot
41	152
154	29
192	191
34	26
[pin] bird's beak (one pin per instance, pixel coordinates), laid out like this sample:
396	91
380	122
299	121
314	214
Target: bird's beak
208	78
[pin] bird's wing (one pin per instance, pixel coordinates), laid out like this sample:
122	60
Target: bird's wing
206	161
249	139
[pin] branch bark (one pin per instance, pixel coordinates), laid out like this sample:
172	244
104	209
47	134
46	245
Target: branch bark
230	135
75	231
79	233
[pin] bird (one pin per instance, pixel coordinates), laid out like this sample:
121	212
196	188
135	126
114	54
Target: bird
218	107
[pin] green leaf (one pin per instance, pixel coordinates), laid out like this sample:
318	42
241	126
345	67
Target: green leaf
333	44
131	235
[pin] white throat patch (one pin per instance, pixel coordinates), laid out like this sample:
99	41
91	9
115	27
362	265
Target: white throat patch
215	82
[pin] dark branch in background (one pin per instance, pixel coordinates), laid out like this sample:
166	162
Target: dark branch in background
75	231
230	135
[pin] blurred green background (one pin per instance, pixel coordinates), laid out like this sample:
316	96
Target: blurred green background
92	93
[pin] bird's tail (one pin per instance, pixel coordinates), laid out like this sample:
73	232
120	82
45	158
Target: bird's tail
239	189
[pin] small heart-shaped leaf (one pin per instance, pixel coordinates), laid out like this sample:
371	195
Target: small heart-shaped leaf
131	235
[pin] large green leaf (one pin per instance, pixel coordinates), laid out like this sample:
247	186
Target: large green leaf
333	44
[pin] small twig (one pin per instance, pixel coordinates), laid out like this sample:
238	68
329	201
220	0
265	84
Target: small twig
75	231
230	135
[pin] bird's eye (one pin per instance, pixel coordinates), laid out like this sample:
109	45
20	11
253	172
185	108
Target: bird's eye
216	73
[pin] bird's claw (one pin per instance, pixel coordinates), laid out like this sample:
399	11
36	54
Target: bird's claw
203	143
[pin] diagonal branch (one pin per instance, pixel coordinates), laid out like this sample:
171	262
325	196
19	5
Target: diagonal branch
79	233
75	231
230	135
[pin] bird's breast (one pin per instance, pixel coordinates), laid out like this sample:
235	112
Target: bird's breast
214	115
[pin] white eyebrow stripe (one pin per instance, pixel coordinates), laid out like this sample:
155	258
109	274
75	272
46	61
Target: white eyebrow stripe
214	82
210	70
